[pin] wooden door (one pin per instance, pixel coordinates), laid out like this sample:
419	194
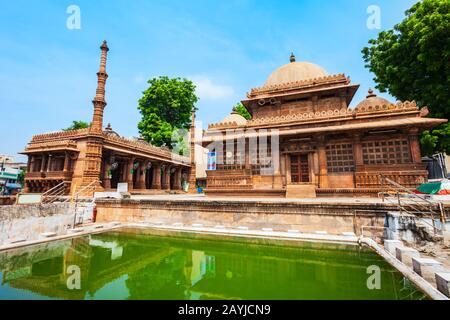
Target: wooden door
300	169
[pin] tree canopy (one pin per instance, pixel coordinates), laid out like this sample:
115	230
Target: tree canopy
166	107
77	125
412	62
240	109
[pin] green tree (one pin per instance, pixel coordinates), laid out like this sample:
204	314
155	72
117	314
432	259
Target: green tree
166	106
242	111
77	125
21	177
412	62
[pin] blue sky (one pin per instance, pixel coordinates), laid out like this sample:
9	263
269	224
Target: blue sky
48	72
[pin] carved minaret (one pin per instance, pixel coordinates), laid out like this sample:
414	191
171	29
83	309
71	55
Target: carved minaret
99	99
89	166
192	173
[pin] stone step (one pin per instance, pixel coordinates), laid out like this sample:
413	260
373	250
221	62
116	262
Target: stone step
405	255
443	282
391	245
427	268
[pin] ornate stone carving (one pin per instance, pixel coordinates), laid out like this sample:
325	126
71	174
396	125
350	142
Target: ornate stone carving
297	85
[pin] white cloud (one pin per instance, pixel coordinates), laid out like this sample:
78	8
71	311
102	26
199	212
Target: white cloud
208	90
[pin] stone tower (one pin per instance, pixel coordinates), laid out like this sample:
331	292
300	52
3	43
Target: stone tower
99	99
192	172
90	157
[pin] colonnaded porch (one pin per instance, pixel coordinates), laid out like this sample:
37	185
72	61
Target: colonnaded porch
141	171
142	174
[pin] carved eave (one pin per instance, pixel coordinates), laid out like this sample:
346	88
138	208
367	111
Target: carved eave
143	149
336	85
390	115
332	128
333	80
51	146
400	109
224	125
60	135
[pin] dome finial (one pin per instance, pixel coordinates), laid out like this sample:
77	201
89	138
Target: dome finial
292	57
371	94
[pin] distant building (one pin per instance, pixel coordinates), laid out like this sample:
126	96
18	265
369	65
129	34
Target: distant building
9	175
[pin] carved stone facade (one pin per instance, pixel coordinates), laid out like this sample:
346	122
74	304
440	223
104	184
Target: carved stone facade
96	154
304	136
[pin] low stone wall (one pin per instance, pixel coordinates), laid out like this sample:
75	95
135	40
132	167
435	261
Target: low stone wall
7	200
409	229
29	221
304	217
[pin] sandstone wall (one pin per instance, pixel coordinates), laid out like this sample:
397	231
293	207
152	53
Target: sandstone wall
29	221
282	216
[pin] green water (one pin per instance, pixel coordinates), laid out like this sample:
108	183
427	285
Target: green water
138	264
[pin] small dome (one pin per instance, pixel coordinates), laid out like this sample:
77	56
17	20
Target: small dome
294	72
373	100
235	117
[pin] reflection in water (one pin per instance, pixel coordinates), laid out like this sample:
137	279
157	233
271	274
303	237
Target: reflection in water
134	264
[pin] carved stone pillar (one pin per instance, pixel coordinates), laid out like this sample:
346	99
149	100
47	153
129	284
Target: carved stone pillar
357	150
288	169
163	176
141	175
283	168
49	163
30	164
177	181
156	176
130	171
66	162
247	154
414	145
166	177
43	162
106	176
323	168
277	177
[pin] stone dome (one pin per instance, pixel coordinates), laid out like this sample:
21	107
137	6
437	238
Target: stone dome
235	117
373	100
294	72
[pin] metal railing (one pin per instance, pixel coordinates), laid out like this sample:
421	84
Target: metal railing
411	203
55	193
87	191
